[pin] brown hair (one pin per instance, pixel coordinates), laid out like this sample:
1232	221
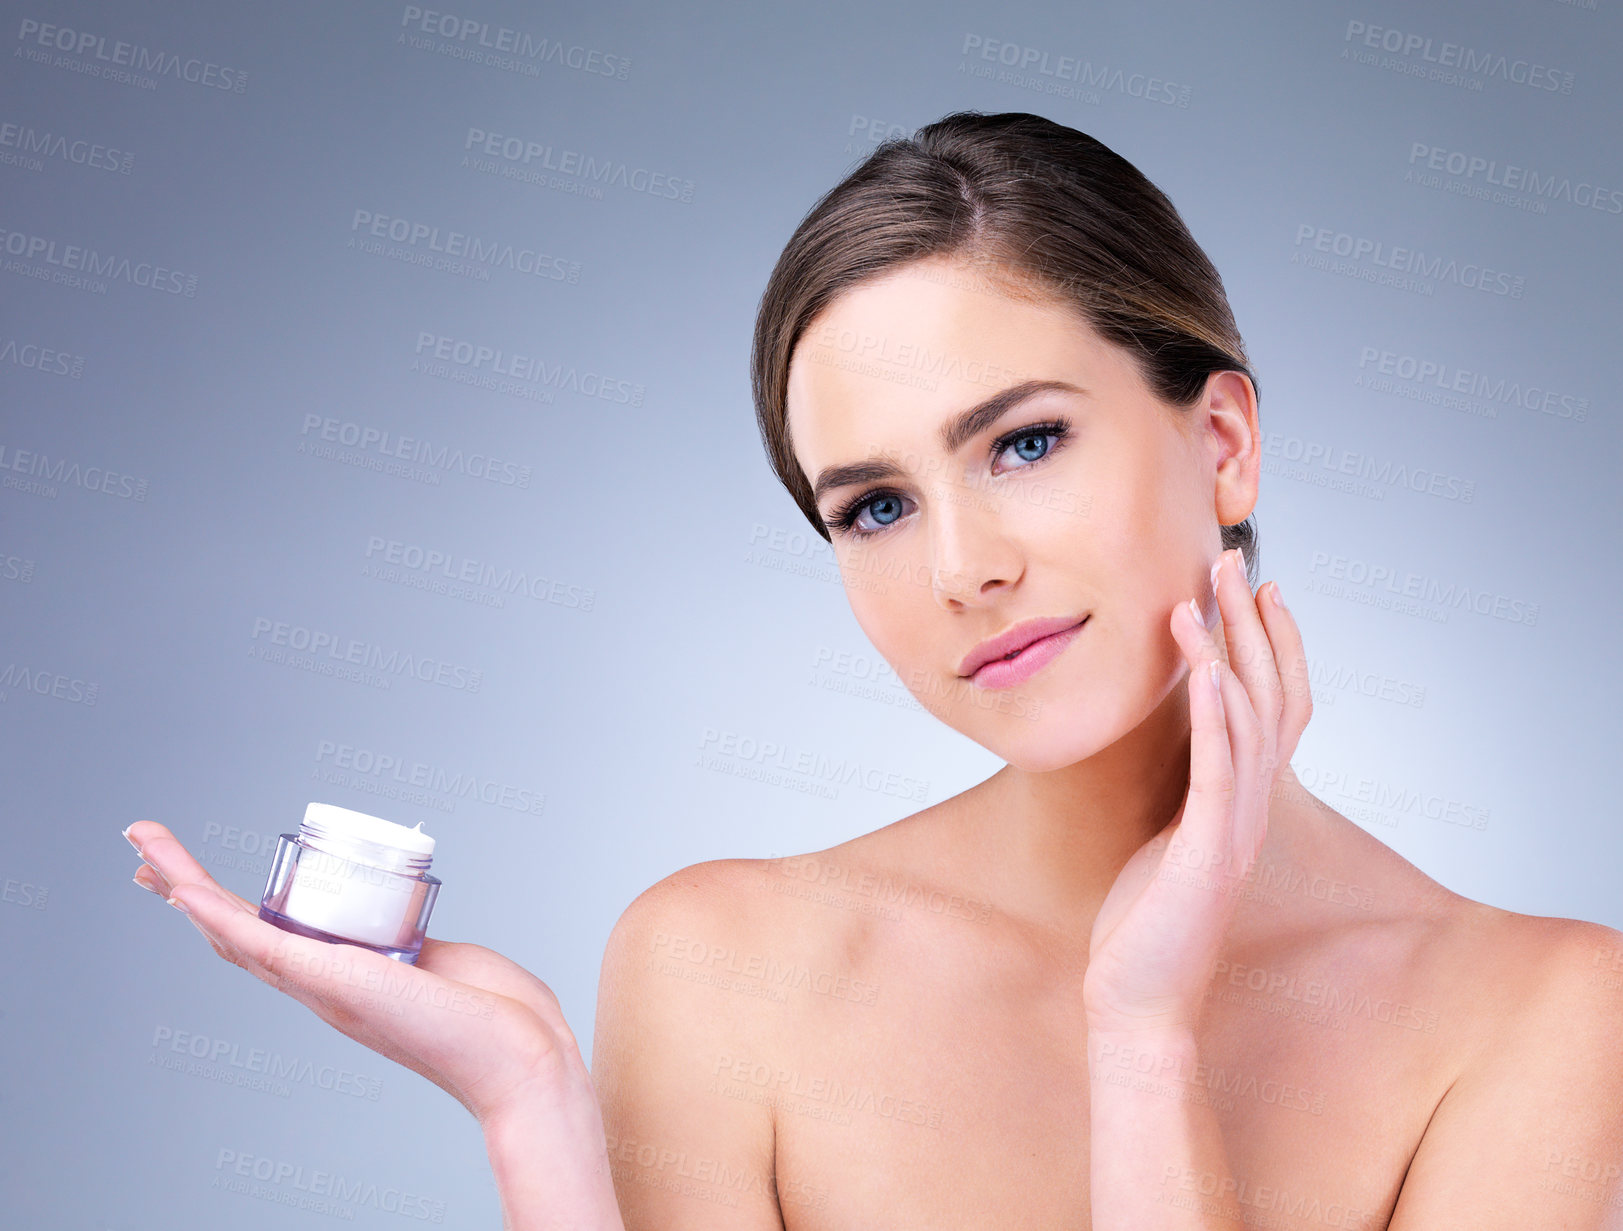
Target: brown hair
1035	201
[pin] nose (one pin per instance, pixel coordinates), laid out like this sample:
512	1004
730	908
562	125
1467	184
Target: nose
972	558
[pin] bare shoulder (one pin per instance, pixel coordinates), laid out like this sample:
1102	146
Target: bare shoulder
1485	982
1454	940
749	926
697	916
1529	1129
1545	985
1508	970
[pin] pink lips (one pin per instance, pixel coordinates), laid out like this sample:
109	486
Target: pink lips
1018	654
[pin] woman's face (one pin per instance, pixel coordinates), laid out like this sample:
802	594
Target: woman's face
1096	505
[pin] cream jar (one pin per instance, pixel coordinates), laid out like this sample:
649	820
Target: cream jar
355	879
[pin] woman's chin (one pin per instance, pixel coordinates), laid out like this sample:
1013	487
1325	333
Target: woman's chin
1039	743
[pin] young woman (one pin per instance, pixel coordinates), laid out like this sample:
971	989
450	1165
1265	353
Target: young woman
1138	978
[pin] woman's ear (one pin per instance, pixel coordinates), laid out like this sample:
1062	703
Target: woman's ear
1230	405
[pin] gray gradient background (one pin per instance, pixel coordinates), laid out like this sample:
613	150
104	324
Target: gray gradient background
712	606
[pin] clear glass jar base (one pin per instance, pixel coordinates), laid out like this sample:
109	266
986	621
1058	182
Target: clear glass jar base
408	956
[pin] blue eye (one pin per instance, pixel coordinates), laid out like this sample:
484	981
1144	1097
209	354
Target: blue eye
883	518
886	508
1026	438
1030	443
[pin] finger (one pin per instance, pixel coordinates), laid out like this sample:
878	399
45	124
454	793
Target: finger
390	1006
1244	768
1286	638
1250	655
147	877
174	863
1248	760
1206	828
284	960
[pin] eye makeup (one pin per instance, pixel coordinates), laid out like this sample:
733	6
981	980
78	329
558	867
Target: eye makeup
843	517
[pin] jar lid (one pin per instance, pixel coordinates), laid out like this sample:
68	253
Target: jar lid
331	820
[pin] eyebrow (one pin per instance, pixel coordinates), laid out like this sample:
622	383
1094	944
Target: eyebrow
954	432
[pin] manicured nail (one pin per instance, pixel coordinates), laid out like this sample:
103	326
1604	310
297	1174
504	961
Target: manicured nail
1212	670
145	886
126	832
1279	600
1194	610
1216	564
177	904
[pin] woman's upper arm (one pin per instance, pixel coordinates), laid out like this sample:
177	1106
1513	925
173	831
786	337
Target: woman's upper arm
684	1156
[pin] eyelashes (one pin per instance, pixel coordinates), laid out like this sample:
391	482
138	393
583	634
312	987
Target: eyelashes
844	517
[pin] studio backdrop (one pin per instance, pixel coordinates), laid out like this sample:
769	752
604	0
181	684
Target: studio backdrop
375	429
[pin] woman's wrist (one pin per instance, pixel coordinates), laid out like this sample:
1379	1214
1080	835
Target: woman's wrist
1168	1055
549	1157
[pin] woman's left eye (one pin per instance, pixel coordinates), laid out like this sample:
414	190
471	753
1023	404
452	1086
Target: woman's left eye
1028	446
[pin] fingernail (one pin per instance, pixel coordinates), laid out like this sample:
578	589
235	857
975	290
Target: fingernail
1216	564
144	885
177	904
126	832
1194	610
1279	600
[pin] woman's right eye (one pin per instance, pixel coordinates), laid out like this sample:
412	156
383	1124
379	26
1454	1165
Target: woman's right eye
870	515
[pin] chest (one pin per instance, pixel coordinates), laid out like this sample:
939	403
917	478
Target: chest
961	1099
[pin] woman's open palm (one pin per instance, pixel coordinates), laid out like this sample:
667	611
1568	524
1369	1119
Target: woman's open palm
1157	936
477	1025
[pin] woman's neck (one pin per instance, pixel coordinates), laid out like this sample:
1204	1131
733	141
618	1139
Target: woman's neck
1053	842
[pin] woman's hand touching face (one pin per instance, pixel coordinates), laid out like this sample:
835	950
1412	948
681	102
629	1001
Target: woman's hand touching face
480	1027
1157	935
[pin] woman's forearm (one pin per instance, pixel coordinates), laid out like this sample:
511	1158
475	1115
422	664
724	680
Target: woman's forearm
1158	1160
551	1165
